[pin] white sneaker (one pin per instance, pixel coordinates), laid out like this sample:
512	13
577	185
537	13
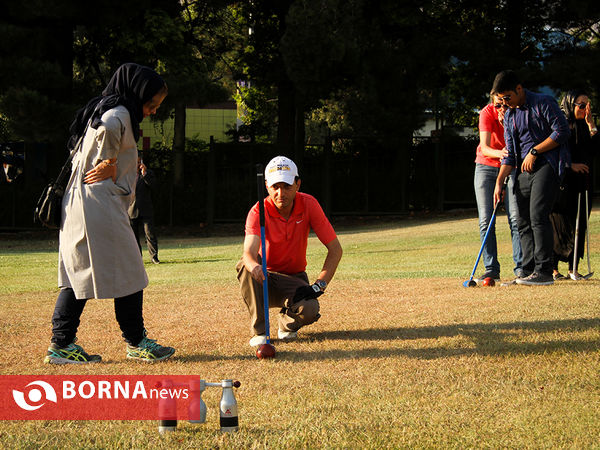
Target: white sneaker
258	340
287	335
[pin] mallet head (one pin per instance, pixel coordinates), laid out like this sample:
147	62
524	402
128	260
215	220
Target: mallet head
470	283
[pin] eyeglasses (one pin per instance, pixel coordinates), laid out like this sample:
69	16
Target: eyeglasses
499	105
581	105
505	98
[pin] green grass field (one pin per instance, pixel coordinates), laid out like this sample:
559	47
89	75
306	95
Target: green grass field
403	355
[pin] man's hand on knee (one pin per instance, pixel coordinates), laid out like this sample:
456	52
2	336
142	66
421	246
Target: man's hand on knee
258	274
307	292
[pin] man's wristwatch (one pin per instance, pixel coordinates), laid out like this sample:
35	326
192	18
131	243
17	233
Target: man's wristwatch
533	151
322	285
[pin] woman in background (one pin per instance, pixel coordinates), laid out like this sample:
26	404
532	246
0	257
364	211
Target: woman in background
583	144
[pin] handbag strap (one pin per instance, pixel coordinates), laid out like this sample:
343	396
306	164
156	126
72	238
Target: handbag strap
66	168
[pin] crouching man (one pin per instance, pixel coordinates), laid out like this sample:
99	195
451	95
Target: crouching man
289	216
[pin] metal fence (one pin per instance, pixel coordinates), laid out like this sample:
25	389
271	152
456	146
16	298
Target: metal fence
358	176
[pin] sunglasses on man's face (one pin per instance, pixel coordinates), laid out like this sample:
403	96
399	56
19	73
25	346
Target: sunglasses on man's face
499	105
581	105
505	98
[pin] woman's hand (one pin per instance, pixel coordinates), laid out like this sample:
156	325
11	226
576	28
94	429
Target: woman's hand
103	171
501	113
588	115
589	120
580	168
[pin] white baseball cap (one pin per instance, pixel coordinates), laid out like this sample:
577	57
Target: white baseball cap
280	169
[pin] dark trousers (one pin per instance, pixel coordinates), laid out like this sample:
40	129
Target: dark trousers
68	309
151	241
536	193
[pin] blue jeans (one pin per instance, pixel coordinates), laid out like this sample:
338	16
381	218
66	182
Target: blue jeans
485	182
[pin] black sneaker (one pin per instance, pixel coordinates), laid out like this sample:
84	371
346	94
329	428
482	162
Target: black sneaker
489	274
519	276
71	354
149	350
536	279
155	260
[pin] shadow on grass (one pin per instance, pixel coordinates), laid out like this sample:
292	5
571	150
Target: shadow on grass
369	224
167	262
486	340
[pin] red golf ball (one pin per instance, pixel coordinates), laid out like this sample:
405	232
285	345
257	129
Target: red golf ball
265	351
489	281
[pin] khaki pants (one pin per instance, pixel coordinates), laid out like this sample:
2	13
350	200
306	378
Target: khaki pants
282	288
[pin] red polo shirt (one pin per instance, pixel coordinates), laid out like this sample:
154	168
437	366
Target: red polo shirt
286	240
488	121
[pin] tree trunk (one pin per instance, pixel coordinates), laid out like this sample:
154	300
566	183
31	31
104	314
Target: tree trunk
179	144
291	126
514	24
299	132
286	115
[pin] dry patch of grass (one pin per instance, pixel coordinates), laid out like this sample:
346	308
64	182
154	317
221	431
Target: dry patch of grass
391	363
395	361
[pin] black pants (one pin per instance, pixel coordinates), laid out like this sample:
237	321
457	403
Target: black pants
68	309
151	241
536	193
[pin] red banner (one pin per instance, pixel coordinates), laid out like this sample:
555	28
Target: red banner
99	397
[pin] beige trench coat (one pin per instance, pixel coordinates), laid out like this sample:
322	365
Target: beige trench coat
98	255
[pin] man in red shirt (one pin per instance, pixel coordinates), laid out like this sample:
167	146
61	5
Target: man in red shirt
289	216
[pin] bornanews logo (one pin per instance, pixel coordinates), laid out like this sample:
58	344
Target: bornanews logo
96	397
34	396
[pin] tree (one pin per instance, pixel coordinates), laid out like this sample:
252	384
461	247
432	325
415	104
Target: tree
260	66
36	69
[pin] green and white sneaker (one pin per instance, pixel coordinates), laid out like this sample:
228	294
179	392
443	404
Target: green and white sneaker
71	354
149	350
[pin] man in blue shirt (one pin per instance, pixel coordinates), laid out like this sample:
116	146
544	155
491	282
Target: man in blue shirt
536	133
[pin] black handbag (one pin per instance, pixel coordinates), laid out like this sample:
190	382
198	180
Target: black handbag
47	211
49	206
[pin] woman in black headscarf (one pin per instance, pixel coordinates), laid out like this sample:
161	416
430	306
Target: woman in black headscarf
98	254
583	144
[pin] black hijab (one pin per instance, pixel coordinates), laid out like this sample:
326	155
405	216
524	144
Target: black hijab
132	86
568	105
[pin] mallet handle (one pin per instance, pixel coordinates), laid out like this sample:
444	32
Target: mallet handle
260	183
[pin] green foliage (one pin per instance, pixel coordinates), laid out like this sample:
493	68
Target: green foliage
487	37
259	113
34	78
349	66
321	46
5	135
32	116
